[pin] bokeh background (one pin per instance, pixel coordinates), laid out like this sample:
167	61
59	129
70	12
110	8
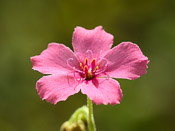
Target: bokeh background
26	28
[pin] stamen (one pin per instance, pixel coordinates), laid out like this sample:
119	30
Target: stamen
93	64
102	58
70	82
77	70
77	55
68	60
86	61
76	78
81	65
104	75
89	69
80	80
96	68
92	56
72	67
102	69
106	78
85	70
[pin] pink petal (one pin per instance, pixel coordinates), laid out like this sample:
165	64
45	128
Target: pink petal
102	91
54	60
126	61
55	88
91	42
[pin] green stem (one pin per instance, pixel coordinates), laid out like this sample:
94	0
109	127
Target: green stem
91	122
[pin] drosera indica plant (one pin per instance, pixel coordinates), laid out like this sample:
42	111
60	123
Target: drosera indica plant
91	69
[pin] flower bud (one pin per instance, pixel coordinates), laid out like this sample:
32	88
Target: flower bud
77	122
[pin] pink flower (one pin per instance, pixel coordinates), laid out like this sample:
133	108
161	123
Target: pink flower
90	68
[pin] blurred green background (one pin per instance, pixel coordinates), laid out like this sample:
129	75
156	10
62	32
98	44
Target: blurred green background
26	28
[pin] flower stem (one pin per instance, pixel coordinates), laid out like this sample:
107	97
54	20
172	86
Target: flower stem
91	122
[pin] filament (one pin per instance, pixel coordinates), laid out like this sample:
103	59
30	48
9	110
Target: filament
68	60
106	78
76	78
73	67
77	56
68	79
90	53
103	68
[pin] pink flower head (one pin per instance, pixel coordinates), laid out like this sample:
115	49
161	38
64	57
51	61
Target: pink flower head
90	68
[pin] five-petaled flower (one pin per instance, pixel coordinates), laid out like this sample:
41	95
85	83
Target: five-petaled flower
90	68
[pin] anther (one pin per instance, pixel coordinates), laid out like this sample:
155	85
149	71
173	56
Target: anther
93	64
86	61
96	68
81	65
85	70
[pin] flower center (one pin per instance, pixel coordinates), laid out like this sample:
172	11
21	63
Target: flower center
89	69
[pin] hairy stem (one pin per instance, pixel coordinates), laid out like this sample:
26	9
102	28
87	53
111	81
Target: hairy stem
91	122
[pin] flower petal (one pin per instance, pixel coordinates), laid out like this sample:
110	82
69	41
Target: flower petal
126	61
102	91
97	41
55	88
54	60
